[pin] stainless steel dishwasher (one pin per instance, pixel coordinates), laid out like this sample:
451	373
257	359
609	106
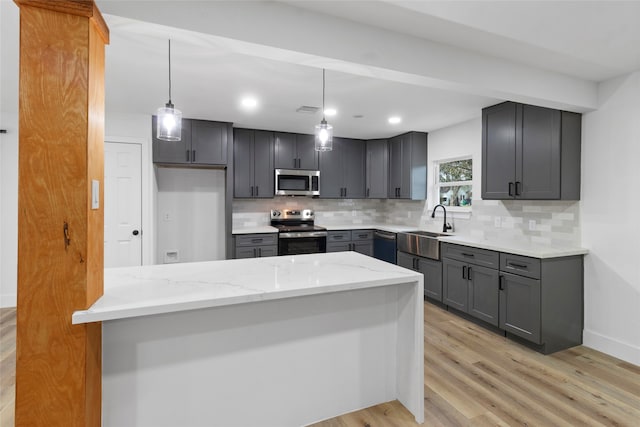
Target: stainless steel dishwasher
384	246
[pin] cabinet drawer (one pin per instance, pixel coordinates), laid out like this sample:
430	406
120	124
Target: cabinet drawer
361	235
522	265
256	239
482	257
338	246
339	236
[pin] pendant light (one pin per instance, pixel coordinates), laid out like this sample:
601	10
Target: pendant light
169	121
323	131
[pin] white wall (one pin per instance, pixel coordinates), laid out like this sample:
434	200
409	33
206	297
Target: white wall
610	225
190	214
8	209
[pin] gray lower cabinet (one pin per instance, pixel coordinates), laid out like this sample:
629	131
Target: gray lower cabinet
256	245
377	169
203	143
350	240
520	306
253	175
342	170
295	151
431	269
408	166
471	281
538	300
530	153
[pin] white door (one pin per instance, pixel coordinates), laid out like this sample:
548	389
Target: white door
122	204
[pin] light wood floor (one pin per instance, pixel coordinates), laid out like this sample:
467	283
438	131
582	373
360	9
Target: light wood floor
473	377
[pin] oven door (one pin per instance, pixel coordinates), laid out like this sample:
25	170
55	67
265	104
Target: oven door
302	243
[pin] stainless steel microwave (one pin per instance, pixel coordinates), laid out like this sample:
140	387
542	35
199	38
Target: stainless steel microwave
297	182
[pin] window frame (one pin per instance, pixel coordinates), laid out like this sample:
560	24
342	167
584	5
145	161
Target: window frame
437	184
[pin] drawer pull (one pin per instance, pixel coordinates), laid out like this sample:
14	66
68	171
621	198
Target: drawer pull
467	254
513	264
256	240
363	236
337	237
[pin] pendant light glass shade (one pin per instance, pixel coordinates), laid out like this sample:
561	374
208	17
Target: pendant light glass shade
169	123
324	136
323	131
169	120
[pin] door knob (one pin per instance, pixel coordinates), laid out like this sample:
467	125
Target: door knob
136	232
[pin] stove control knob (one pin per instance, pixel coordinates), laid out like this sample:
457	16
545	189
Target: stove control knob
275	213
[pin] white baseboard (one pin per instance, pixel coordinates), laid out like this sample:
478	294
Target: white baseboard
622	350
8	300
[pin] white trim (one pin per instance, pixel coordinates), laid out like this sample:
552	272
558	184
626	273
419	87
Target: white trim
148	201
611	346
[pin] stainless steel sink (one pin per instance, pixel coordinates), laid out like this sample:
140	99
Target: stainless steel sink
421	243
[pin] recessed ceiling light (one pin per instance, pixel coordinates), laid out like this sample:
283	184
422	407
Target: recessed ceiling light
394	120
330	112
249	102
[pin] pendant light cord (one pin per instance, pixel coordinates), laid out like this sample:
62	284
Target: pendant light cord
169	71
323	118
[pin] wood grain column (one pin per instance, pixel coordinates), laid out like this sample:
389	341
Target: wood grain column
60	237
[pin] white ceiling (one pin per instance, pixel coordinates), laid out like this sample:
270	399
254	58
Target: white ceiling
582	41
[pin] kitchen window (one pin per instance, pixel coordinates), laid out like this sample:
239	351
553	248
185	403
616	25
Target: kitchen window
453	182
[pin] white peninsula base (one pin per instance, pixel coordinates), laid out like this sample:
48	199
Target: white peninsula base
333	333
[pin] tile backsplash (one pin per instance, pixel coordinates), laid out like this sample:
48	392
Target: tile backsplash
544	222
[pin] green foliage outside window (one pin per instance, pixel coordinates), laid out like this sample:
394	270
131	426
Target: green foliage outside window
454	182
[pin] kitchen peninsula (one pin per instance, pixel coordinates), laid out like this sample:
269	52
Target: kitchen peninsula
278	341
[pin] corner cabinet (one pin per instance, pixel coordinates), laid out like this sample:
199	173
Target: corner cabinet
408	166
342	170
295	151
530	153
203	143
377	169
253	175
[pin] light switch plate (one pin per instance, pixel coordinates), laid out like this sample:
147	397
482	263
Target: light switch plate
95	194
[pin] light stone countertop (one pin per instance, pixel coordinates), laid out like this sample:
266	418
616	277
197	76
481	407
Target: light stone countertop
165	288
384	227
254	230
516	247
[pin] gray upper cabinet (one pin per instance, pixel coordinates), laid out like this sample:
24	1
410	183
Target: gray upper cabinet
342	170
253	163
203	143
377	169
530	153
295	151
408	166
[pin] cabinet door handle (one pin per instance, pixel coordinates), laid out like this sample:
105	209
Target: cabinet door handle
469	273
255	252
501	283
367	192
511	189
259	252
518	184
467	254
398	192
345	191
251	191
415	263
257	190
193	155
464	272
513	264
187	155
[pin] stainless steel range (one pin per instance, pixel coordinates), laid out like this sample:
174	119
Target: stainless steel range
297	233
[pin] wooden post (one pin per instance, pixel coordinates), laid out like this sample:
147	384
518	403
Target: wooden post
60	236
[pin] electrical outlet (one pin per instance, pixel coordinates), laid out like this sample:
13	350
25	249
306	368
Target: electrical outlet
171	256
497	222
532	225
167	216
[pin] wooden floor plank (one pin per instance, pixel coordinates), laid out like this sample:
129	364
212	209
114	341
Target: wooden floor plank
473	377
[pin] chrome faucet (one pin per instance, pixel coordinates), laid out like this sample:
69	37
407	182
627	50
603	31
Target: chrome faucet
445	225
